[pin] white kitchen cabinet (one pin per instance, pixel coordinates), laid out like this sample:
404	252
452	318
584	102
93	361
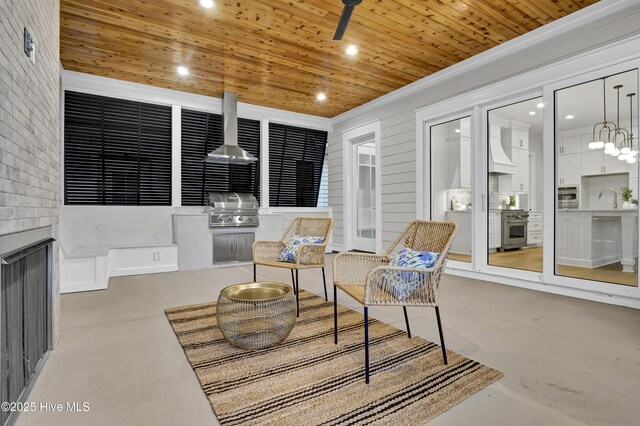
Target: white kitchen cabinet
462	243
459	162
569	169
592	163
516	138
596	162
613	165
495	230
569	145
519	180
534	228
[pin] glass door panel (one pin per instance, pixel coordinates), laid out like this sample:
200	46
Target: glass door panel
451	181
365	158
596	150
515	186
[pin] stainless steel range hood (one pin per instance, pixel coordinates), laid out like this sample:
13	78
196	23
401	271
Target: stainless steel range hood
230	152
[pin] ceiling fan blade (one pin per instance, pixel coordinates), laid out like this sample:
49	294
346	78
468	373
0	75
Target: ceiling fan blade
344	21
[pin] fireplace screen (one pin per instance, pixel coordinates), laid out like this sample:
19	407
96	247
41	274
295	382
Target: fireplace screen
24	318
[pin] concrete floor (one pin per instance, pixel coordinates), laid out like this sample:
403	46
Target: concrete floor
565	361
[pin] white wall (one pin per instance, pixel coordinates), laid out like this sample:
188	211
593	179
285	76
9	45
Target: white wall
581	31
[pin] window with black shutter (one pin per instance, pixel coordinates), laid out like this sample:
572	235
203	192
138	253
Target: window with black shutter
116	152
201	134
296	158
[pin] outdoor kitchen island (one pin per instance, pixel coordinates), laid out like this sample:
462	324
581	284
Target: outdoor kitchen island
195	239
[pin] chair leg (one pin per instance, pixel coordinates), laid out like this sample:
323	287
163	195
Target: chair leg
406	320
366	343
444	350
254	272
335	314
293	282
297	295
324	281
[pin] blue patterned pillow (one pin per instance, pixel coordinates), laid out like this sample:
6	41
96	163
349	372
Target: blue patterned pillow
290	251
405	283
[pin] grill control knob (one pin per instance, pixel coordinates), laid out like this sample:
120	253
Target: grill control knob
230	219
221	219
250	218
240	218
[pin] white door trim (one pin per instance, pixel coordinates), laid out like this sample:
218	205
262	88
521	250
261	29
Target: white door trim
348	179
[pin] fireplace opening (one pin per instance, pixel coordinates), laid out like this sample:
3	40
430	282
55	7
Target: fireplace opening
25	318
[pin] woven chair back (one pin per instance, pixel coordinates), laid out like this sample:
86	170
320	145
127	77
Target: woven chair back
309	226
424	235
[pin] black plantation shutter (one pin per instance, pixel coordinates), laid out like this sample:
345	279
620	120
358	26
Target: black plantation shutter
116	152
296	157
201	134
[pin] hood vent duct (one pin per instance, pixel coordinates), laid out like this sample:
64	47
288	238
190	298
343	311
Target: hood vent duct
499	162
230	152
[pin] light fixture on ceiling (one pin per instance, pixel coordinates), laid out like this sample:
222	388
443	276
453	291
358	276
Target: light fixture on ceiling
182	70
540	105
457	130
620	135
351	50
604	127
321	96
207	4
569	117
628	154
532	113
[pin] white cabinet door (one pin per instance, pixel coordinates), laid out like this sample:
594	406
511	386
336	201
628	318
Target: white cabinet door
495	222
613	165
520	181
569	145
519	138
592	163
569	169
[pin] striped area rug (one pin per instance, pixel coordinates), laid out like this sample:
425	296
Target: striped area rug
307	380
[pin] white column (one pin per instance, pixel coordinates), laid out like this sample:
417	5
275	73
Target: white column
264	163
176	156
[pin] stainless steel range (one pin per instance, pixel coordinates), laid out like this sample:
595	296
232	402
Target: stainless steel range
232	209
514	229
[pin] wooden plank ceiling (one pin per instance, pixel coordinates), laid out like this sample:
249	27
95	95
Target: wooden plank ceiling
281	53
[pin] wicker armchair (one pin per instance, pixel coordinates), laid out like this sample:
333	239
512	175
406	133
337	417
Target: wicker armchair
309	255
368	278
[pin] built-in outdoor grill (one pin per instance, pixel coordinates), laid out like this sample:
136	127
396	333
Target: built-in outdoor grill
232	209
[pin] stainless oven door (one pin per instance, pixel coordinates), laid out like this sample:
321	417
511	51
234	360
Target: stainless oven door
514	233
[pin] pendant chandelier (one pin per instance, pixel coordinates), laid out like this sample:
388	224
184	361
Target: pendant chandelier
627	152
616	141
604	127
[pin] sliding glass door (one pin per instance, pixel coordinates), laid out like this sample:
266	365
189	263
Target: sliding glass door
514	219
596	184
451	181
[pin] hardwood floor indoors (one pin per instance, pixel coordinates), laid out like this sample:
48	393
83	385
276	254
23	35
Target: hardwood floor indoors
530	259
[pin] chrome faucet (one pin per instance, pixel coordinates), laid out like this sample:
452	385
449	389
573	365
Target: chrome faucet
615	196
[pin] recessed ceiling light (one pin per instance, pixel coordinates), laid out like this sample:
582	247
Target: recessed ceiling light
540	105
321	96
569	117
208	4
351	50
182	70
532	113
457	130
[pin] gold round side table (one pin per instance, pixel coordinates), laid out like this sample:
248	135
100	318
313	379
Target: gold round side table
256	315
